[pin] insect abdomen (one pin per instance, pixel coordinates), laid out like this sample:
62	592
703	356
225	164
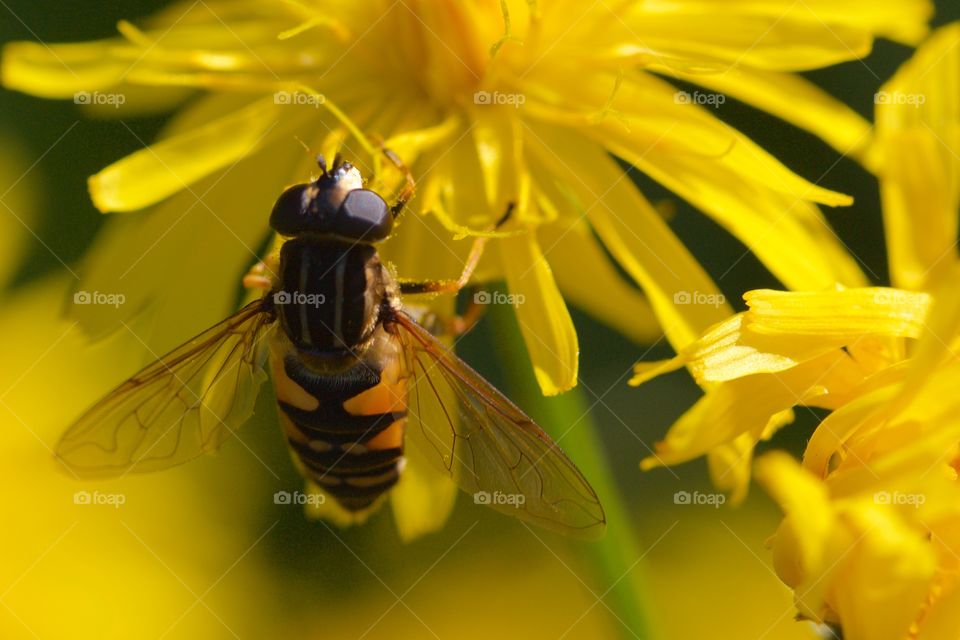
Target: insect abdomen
345	428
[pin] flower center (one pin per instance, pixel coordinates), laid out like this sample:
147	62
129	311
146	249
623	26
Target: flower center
439	49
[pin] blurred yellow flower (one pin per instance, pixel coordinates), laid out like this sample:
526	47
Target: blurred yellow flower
490	102
125	559
871	537
18	207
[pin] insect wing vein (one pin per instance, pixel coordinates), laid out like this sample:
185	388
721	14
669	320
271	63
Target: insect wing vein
177	408
487	445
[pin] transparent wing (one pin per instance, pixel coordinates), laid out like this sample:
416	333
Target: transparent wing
487	445
184	404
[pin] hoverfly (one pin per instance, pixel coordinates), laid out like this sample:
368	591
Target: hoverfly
353	371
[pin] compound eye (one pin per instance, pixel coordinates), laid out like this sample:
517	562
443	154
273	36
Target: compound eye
364	215
289	215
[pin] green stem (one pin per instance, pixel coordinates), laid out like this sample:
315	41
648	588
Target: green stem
616	558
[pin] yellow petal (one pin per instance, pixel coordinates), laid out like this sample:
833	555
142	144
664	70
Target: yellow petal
421	249
423	498
920	200
646	371
589	280
727	176
885	578
799	545
943	619
730	464
898	447
791	97
630	229
172	165
786	233
95	75
940	332
918	143
183	260
747	405
778	33
732	349
840	425
746	344
785	36
462	199
60	71
845	314
223	45
655	117
544	320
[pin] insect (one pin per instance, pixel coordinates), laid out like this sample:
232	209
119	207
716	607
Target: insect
353	373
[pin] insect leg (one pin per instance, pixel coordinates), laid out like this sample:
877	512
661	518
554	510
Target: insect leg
407	192
453	286
456	325
257	277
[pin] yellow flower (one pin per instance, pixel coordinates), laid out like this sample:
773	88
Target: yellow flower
871	535
127	558
18	207
788	349
872	552
489	102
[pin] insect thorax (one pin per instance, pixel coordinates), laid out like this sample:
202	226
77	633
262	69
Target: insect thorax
330	295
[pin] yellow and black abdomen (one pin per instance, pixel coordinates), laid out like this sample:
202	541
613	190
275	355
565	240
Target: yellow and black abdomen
345	428
337	373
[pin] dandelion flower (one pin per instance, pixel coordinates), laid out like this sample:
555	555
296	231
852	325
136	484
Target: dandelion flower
490	102
871	529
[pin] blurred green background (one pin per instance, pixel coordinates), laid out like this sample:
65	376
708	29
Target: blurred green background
708	571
